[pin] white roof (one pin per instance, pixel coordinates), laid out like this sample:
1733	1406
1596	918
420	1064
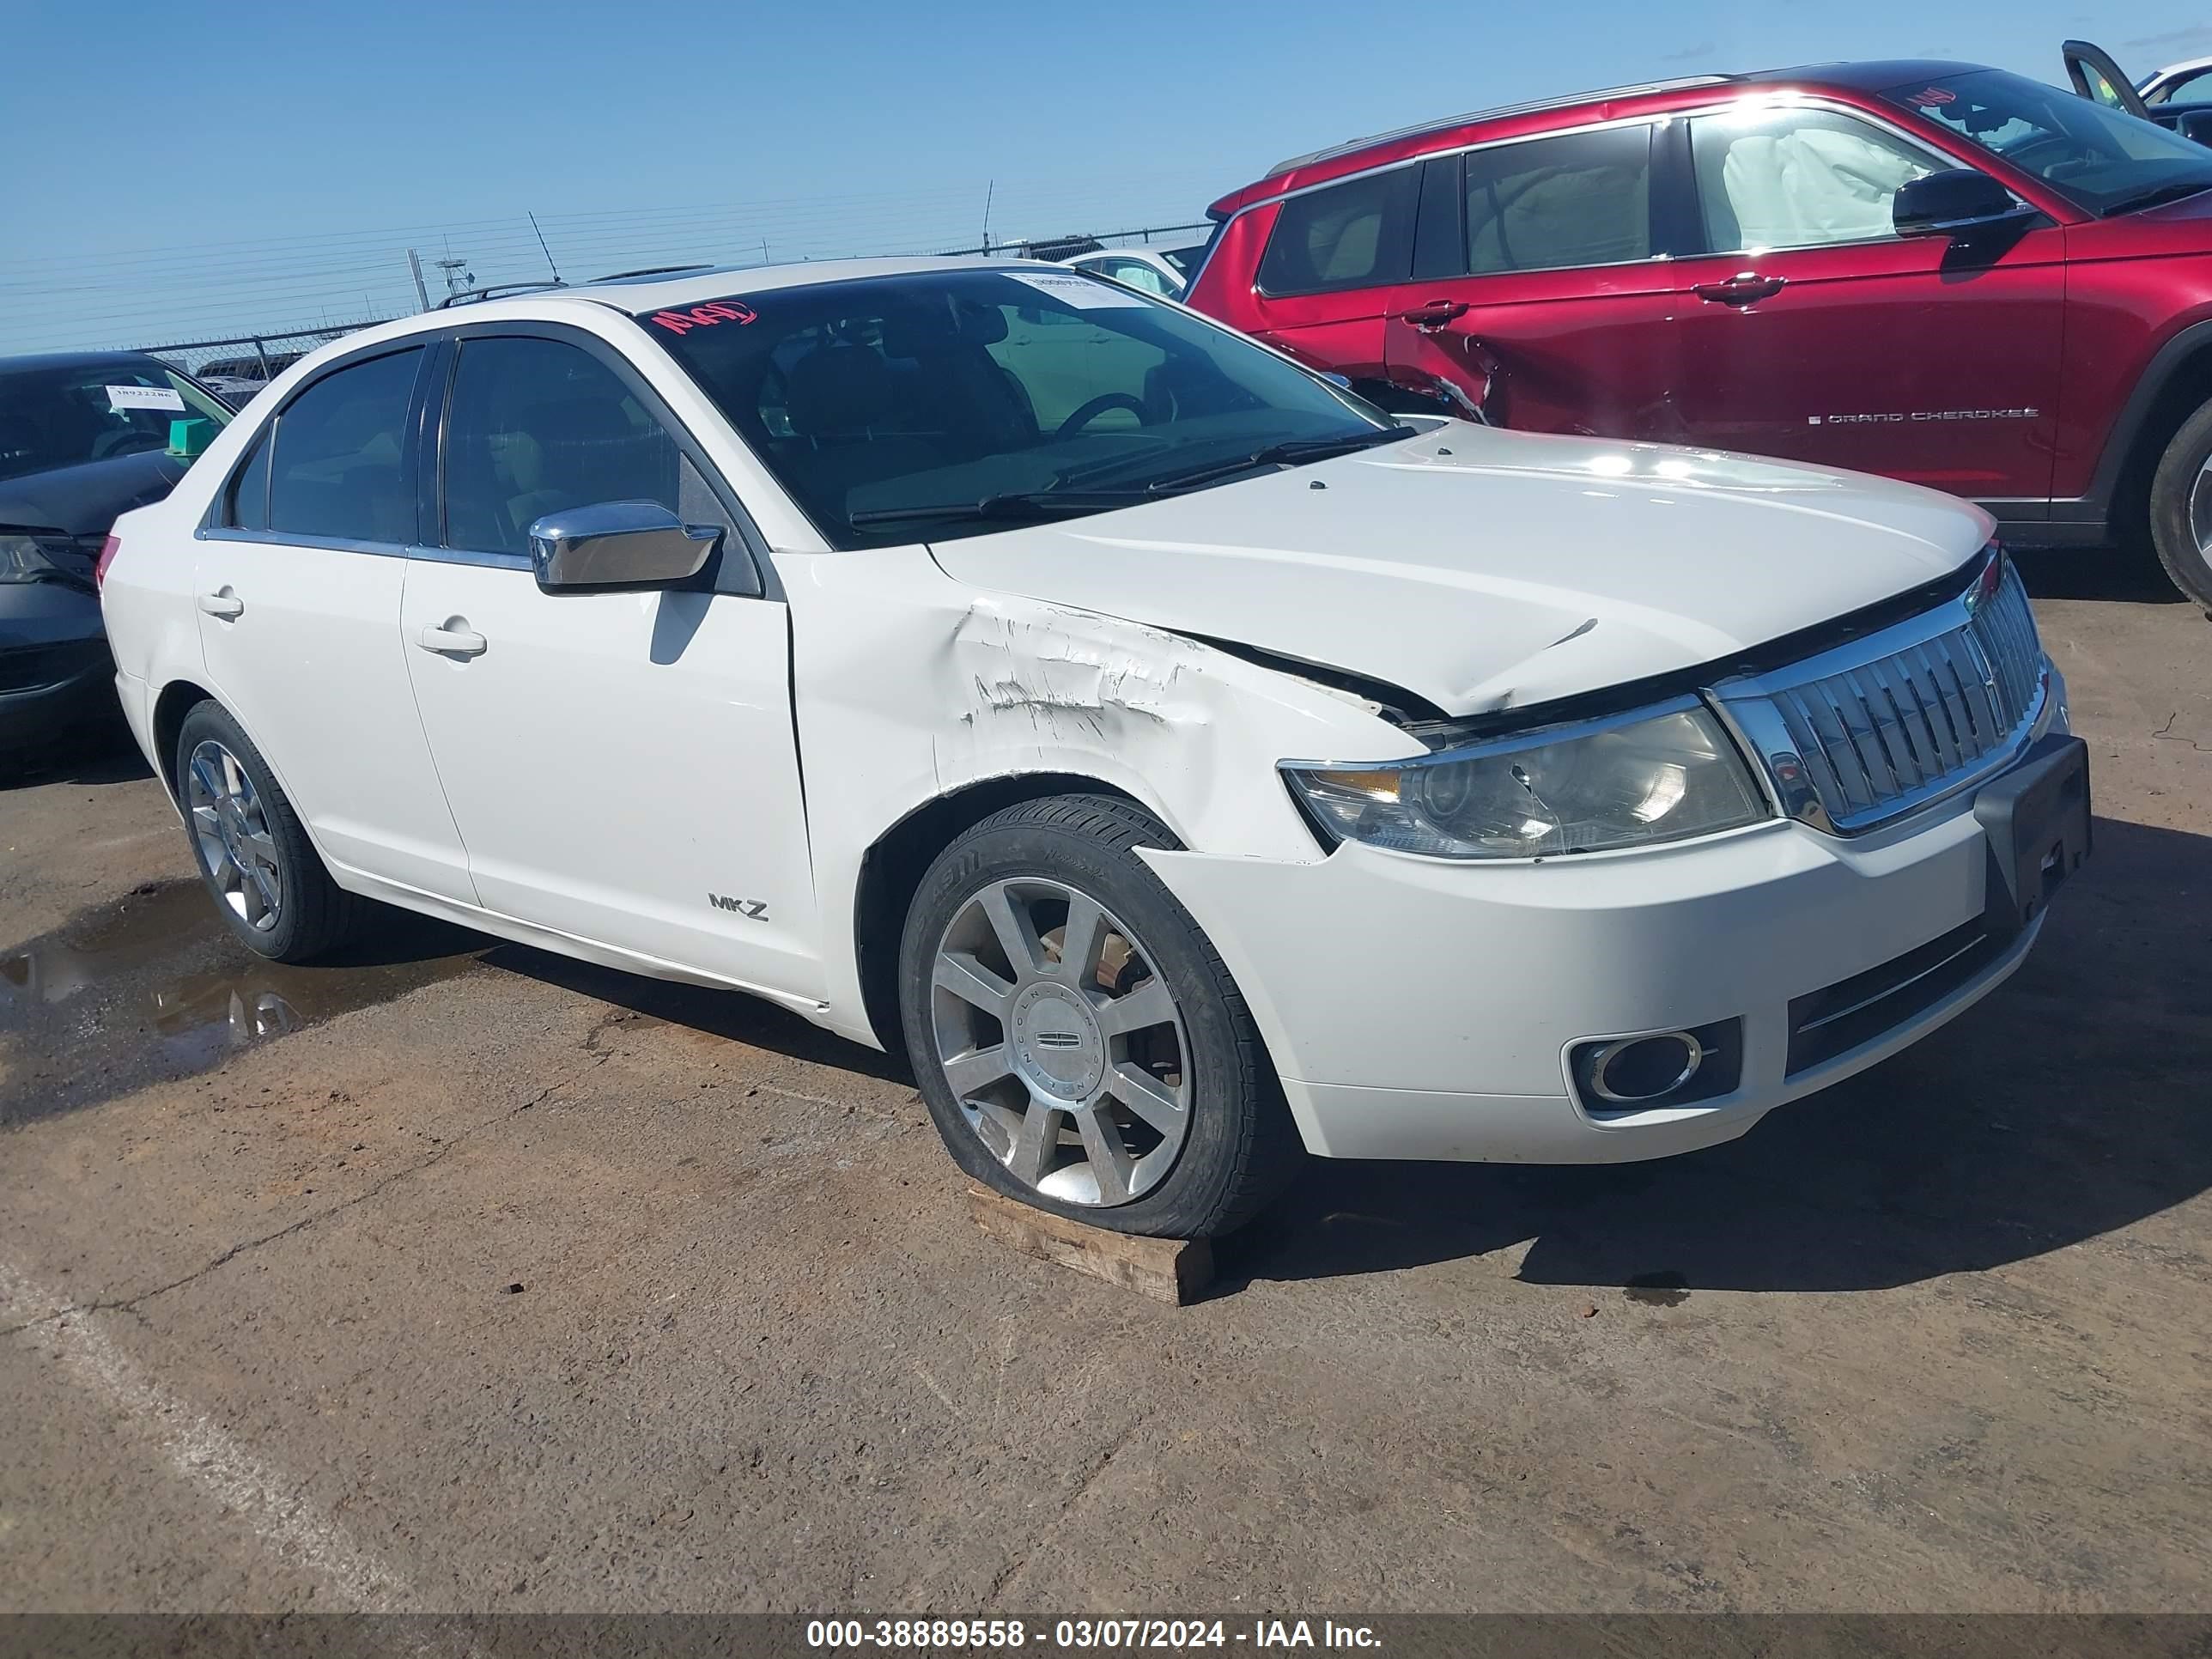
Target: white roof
691	287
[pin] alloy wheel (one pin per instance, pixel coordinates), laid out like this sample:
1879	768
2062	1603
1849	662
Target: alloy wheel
2200	512
232	830
1062	1044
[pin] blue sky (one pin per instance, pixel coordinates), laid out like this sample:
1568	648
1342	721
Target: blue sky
182	171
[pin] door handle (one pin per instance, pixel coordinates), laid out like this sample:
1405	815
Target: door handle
1435	313
454	639
224	606
1741	289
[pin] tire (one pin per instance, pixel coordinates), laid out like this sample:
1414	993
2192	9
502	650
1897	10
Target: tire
2181	507
253	850
1166	1027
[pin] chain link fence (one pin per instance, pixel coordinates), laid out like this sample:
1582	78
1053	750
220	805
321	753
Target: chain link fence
239	365
245	362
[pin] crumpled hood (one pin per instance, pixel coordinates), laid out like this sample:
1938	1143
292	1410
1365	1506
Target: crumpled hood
1485	569
85	500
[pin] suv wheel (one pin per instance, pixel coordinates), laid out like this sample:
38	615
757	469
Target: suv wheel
1079	1042
2181	507
267	880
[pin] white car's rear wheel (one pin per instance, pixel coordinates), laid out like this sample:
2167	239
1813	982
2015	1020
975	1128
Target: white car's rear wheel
263	873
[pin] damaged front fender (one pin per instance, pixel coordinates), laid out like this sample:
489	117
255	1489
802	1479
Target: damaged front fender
909	687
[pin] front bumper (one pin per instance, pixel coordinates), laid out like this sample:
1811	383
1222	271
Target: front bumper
55	672
1420	1009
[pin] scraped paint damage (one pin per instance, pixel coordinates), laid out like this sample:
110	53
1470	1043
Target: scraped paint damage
1093	673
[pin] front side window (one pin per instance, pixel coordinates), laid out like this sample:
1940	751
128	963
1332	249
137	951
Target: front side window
1356	235
535	426
919	407
1798	178
52	418
2103	161
1582	198
338	467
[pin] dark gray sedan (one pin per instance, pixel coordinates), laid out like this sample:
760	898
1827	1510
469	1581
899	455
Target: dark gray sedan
83	437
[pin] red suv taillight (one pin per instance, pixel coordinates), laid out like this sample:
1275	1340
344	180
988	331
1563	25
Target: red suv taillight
108	549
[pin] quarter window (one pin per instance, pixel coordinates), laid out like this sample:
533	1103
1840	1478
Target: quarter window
1582	198
536	425
1356	235
1798	178
245	505
339	467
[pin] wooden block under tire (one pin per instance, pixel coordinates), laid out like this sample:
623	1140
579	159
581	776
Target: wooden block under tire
1171	1270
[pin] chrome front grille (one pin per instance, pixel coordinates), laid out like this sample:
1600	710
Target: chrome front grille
1866	732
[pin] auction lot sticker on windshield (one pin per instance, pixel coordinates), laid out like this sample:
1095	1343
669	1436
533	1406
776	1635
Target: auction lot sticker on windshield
1084	293
146	397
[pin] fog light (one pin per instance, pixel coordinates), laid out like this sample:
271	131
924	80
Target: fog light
1644	1068
1662	1068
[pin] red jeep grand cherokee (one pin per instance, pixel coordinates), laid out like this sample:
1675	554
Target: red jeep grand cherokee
1947	274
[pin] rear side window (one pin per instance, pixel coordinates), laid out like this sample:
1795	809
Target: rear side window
536	425
1582	198
1356	235
245	502
339	466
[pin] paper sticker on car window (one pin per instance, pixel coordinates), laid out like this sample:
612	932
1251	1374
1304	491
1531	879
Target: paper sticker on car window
1084	293
146	397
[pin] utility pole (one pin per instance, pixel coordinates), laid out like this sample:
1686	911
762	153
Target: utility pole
415	265
989	190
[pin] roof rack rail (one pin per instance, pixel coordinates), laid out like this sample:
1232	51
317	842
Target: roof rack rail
494	290
655	270
1681	84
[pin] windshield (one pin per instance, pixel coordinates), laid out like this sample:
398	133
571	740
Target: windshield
2102	160
1184	260
894	408
51	418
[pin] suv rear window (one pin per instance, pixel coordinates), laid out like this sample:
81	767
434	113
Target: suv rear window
1356	235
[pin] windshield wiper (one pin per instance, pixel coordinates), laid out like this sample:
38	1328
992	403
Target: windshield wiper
1286	453
1013	504
2150	198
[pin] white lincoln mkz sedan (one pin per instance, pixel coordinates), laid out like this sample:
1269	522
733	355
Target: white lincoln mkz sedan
1185	762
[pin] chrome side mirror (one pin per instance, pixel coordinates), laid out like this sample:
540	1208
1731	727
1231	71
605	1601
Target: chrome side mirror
614	544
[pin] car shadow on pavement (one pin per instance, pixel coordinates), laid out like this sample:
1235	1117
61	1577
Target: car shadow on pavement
2127	574
2069	1103
729	1015
110	759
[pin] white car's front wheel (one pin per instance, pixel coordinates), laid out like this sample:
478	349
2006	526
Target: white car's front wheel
1079	1042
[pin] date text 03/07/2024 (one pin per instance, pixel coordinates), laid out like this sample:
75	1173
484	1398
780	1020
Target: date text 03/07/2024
1086	1634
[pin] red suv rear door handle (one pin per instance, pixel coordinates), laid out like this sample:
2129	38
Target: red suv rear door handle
1740	289
1434	314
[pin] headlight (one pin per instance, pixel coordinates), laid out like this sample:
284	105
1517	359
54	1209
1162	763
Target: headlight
41	559
1657	776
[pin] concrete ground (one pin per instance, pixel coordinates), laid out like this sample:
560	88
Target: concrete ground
466	1278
